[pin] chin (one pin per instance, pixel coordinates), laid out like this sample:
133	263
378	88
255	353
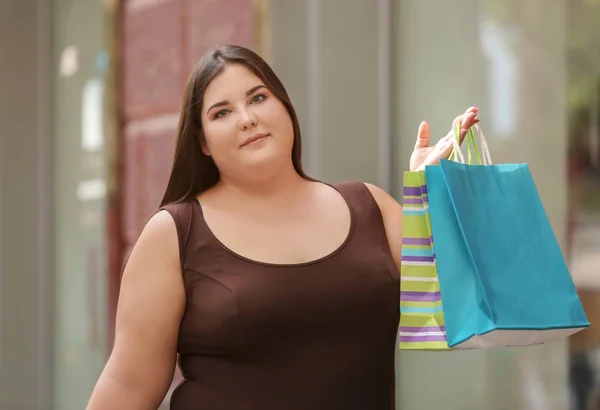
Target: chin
265	160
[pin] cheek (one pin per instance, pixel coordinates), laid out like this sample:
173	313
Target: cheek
280	121
288	128
220	136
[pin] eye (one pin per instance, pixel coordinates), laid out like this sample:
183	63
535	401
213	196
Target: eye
258	98
220	114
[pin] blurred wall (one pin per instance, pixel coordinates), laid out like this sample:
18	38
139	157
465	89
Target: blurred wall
26	266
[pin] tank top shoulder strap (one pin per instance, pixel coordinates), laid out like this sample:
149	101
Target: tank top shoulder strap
358	197
182	214
365	210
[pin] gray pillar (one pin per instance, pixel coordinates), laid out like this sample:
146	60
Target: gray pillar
26	274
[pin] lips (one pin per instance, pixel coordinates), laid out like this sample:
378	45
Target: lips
254	138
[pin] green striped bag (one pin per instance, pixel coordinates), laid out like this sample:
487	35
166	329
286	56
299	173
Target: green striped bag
421	316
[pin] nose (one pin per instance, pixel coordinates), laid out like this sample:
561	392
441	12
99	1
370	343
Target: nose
246	122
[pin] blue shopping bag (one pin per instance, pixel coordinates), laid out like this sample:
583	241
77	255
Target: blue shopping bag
503	279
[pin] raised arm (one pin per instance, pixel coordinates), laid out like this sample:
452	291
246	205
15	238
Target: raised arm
151	304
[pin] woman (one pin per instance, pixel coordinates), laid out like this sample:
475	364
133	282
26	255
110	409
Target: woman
277	291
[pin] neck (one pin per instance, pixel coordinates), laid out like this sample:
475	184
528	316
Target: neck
281	184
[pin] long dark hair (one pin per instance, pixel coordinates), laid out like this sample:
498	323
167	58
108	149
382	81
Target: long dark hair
193	171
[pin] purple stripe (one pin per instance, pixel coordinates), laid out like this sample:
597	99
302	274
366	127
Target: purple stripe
426	338
420	296
412	191
418	258
415	201
423	329
416	241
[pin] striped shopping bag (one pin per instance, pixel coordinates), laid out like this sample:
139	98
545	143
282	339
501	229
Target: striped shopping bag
421	316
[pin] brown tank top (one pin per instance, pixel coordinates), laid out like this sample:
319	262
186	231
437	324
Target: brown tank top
319	335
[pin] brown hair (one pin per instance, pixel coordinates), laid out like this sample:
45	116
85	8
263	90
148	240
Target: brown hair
193	171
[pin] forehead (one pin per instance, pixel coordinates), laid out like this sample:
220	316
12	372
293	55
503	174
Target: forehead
232	82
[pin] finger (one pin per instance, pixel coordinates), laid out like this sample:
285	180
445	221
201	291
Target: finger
446	149
469	120
458	119
423	136
471	110
442	150
448	137
462	121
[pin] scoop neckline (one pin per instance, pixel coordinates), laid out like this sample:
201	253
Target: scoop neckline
330	255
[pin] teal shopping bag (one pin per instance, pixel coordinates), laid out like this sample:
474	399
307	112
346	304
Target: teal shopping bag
503	278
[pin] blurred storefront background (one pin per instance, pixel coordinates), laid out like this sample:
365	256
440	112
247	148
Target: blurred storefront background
89	100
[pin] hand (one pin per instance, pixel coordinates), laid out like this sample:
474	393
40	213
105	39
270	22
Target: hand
425	155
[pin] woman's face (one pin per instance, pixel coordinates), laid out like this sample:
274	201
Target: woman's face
246	126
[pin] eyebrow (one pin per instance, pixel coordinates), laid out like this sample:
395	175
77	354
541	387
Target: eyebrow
225	102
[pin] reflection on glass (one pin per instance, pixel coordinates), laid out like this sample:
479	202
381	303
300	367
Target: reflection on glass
502	78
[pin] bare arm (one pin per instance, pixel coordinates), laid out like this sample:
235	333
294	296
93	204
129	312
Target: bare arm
151	304
391	211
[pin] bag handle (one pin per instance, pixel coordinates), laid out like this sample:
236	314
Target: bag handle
472	148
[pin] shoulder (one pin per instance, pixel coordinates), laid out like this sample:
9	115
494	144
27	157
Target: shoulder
181	215
163	236
154	262
358	189
386	202
391	211
181	212
152	269
159	236
161	223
